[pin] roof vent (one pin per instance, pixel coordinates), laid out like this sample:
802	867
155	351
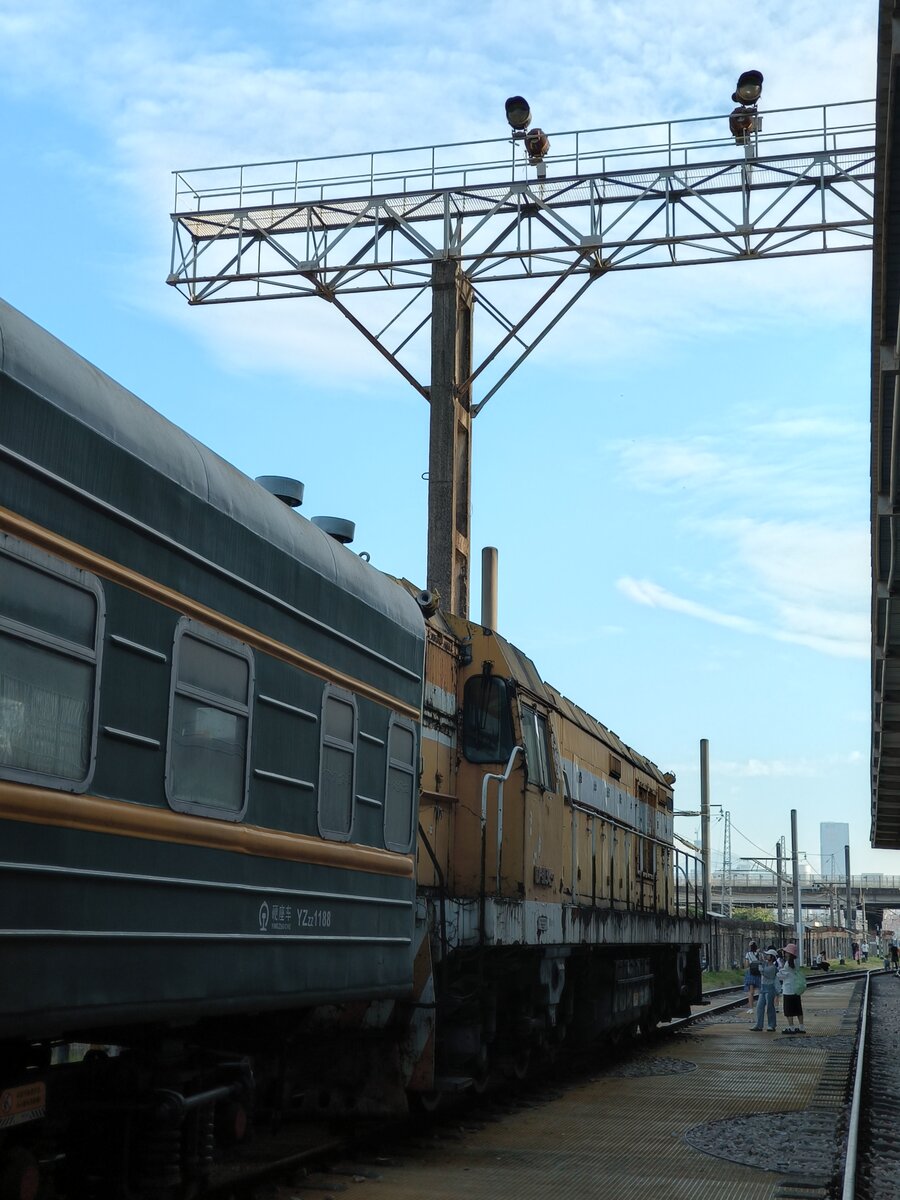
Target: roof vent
336	527
288	490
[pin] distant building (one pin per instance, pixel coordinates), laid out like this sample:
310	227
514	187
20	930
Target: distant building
833	837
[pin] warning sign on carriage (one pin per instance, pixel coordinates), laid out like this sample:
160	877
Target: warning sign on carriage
21	1104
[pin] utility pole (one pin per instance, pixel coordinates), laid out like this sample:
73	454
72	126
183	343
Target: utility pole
727	870
779	866
798	906
704	823
850	918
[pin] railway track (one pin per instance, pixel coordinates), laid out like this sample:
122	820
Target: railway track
874	1142
313	1164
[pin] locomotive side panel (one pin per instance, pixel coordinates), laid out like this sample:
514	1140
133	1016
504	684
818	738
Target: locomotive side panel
554	919
439	782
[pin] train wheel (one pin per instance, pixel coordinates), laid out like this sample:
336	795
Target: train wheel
20	1176
521	1064
232	1123
481	1082
426	1102
481	1072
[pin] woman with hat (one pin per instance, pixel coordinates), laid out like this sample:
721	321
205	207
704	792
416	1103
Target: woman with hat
793	983
765	1006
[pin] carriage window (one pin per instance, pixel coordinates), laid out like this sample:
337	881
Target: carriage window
537	748
337	768
51	617
400	789
210	723
487	724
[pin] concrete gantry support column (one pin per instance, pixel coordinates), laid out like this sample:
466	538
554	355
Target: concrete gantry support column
450	446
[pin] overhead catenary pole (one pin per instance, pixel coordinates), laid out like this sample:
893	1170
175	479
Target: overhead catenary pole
704	821
798	907
779	867
727	868
850	920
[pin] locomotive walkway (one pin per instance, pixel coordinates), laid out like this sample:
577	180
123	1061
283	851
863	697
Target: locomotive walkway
719	1111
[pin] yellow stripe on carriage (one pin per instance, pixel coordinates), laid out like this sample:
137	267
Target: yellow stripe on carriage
118	818
106	568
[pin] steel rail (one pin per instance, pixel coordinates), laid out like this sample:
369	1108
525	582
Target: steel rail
850	1155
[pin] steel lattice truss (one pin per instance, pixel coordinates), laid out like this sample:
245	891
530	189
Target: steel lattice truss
380	231
408	241
766	207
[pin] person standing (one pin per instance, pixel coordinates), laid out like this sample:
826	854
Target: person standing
793	984
779	963
751	976
765	1006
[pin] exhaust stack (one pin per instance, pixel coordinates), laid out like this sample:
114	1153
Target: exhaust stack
338	528
288	490
489	587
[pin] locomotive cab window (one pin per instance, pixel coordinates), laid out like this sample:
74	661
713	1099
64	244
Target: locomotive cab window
487	720
51	619
337	764
209	730
400	787
536	737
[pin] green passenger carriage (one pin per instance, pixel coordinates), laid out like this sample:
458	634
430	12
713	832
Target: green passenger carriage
209	723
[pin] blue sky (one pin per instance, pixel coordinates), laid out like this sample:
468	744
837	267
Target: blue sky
677	479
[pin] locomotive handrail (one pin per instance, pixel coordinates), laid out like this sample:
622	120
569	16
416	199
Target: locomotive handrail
689	860
501	779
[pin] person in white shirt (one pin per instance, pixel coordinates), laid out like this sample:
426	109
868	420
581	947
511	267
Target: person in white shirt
793	984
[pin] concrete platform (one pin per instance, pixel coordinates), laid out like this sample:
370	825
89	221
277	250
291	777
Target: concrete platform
718	1113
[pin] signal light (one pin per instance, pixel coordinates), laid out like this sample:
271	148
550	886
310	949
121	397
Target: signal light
749	87
518	114
744	121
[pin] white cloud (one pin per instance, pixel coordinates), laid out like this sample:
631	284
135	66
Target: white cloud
207	83
772	496
644	591
801	560
838	632
809	425
798	768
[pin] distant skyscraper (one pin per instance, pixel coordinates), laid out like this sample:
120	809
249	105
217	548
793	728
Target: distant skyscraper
833	837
